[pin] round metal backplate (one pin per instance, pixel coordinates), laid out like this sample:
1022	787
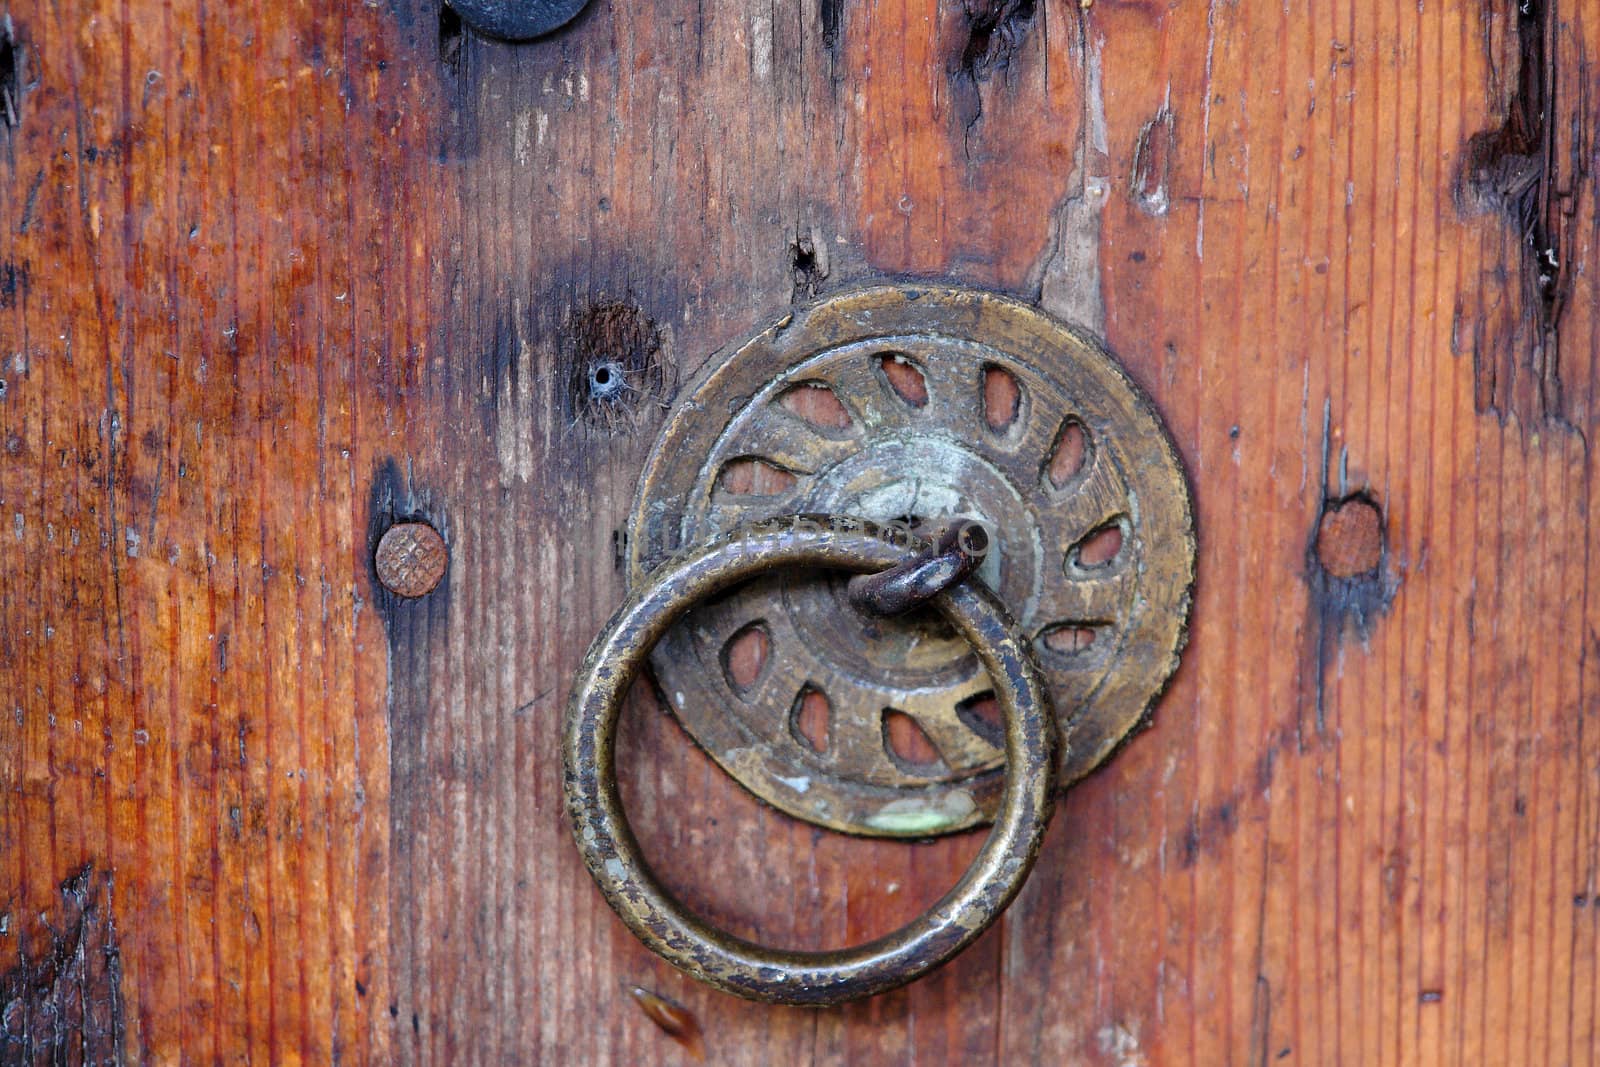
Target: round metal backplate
917	404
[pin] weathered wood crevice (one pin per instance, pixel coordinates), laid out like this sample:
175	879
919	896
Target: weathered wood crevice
994	32
809	262
451	30
678	1024
1531	170
62	1002
1150	180
14	83
1066	281
830	13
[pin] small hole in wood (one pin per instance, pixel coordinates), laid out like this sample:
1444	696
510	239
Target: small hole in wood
907	745
1100	548
745	655
1002	398
905	378
1068	455
810	718
614	364
981	715
752	476
1068	637
607	381
808	266
817	404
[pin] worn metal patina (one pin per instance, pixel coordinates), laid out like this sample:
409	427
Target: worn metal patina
908	402
612	855
518	20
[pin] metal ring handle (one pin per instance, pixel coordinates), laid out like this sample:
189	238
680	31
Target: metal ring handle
612	854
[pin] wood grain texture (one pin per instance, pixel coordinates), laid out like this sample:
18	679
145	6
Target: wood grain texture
212	342
275	276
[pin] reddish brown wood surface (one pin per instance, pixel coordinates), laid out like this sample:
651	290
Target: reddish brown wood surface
273	276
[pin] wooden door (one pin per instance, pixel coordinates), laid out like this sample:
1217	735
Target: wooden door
274	276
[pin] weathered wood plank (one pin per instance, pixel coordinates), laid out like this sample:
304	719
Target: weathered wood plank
195	686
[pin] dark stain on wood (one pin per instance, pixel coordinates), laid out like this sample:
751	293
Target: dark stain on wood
995	29
566	374
1352	593
1531	170
62	1001
1219	820
830	13
14	82
1347	577
30	202
993	34
450	33
13	284
1260	1022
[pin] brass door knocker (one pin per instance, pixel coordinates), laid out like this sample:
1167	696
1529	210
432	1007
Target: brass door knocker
920	572
1057	594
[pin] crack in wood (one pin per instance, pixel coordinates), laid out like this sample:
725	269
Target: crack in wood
995	31
831	14
808	261
1530	170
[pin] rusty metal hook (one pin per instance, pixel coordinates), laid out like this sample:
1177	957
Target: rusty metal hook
612	855
895	591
